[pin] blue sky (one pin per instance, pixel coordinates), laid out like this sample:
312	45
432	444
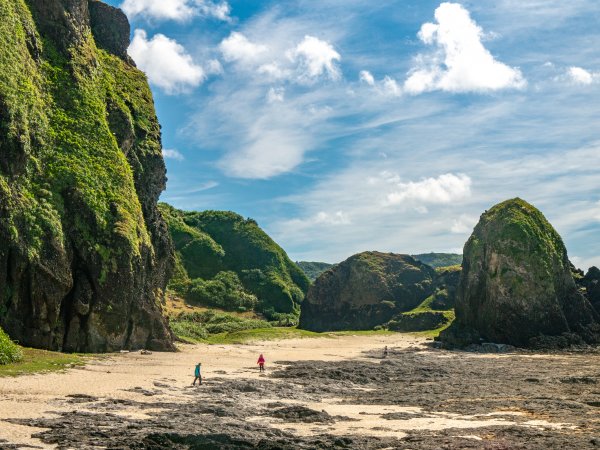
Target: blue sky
347	126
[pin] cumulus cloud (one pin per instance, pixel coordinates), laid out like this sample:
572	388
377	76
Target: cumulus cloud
315	58
391	87
166	62
446	188
178	10
169	153
460	63
579	75
238	48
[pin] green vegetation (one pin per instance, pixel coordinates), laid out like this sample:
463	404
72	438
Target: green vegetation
9	351
436	260
226	261
36	361
313	269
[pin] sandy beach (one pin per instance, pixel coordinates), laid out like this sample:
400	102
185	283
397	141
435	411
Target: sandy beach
316	393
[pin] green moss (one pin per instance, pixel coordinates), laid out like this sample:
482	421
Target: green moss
59	127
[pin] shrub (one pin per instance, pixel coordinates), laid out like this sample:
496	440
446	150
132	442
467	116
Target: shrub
9	351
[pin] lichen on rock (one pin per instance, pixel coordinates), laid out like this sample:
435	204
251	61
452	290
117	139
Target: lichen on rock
516	284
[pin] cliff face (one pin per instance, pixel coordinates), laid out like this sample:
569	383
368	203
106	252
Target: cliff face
366	290
84	252
516	285
227	261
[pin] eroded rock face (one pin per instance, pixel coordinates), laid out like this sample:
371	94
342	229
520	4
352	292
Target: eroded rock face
591	282
84	253
516	284
366	290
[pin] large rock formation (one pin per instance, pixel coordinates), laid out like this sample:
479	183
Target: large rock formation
591	283
516	285
366	290
84	252
227	261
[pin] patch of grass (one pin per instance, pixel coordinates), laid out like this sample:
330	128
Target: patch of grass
37	361
263	334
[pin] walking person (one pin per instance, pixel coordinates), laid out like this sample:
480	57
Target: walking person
261	363
197	375
385	352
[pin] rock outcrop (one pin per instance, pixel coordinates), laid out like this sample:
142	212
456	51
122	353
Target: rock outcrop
84	253
591	283
366	290
516	286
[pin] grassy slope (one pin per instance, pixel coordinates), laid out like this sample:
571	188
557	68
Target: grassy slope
313	269
35	361
210	243
436	260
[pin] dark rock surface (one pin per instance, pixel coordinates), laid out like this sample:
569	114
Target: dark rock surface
591	282
516	284
111	29
84	253
366	290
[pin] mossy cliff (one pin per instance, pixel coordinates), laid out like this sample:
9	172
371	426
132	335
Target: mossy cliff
366	290
516	286
84	253
227	261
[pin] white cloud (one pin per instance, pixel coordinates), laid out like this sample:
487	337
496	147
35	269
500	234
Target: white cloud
238	48
172	154
390	87
266	154
464	224
315	58
578	75
276	95
219	11
166	62
460	63
366	77
178	10
443	189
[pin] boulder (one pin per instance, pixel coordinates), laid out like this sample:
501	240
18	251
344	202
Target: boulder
516	283
366	290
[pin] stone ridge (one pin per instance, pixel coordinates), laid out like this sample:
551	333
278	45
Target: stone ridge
85	255
516	286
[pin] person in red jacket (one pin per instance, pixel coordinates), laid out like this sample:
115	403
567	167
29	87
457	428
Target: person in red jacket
261	363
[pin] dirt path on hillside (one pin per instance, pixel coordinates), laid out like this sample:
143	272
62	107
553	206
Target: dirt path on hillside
316	393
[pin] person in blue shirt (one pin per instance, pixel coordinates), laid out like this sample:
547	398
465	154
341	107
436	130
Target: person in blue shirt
197	375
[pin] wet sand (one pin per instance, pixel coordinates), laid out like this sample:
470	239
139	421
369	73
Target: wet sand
317	393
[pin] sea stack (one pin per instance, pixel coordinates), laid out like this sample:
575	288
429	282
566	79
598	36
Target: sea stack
364	291
516	286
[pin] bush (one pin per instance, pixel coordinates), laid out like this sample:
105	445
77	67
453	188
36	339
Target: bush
224	291
201	325
9	351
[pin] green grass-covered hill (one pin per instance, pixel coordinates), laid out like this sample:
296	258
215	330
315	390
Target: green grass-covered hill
228	262
313	269
436	260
